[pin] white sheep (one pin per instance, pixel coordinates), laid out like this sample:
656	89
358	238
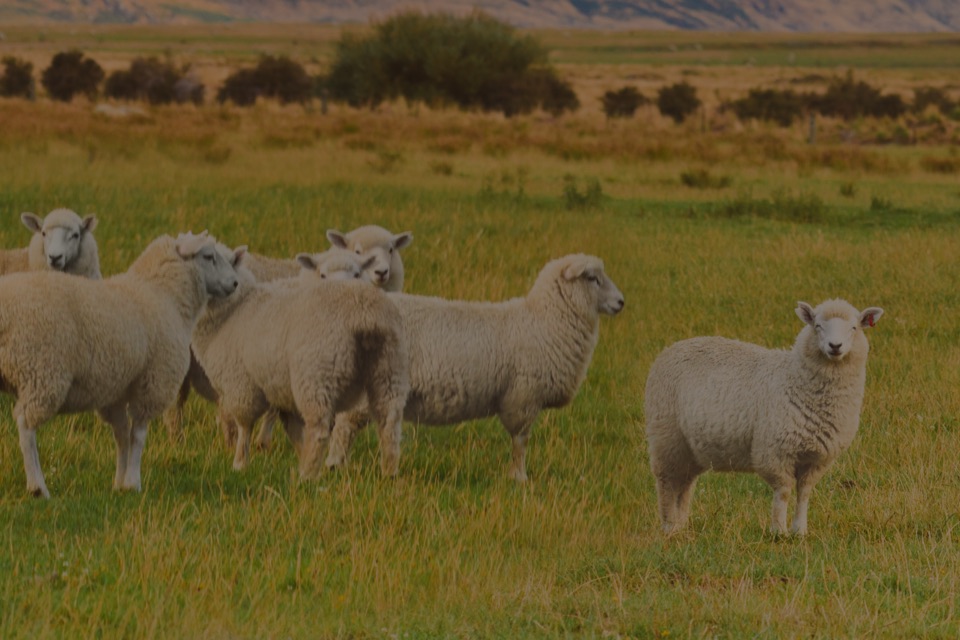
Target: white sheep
370	243
511	359
119	346
306	351
384	246
61	242
724	405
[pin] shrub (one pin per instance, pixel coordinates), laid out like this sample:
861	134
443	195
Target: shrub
70	73
155	81
17	80
274	77
782	107
589	198
678	101
438	59
623	103
923	97
848	99
703	179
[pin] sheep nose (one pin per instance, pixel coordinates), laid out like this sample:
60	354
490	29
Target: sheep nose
834	347
382	274
236	283
55	261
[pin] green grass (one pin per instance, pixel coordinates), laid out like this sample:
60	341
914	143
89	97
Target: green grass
451	548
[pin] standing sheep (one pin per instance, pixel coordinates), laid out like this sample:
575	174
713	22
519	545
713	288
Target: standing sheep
306	351
119	346
370	243
723	405
61	242
511	359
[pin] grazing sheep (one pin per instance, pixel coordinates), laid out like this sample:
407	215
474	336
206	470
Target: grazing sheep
306	351
61	242
119	346
511	359
383	245
714	403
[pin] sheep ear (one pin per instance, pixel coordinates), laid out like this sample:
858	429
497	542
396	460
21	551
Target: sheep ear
238	255
805	313
89	223
31	221
402	240
307	261
368	263
574	270
336	238
869	316
189	244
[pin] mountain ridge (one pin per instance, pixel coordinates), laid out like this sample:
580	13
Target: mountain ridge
864	16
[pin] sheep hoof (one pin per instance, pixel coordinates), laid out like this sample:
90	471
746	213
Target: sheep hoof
39	492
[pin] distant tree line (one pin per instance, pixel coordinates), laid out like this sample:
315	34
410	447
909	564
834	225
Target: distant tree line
473	62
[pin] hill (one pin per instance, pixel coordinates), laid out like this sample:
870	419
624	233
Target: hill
713	15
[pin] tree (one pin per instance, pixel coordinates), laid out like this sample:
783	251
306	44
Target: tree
17	80
623	103
782	107
678	101
155	81
439	59
70	73
273	77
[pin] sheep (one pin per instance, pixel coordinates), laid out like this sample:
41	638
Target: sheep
725	405
368	242
511	359
307	351
119	346
61	242
385	246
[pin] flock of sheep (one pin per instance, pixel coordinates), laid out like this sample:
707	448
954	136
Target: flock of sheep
324	343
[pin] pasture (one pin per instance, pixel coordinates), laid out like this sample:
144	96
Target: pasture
451	547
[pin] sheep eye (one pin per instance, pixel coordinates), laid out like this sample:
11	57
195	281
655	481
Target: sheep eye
323	276
75	235
208	257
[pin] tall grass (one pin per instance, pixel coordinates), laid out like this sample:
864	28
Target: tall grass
451	548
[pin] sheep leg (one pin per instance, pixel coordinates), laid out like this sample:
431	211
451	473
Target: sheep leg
674	495
807	478
390	428
173	416
517	419
316	436
31	459
265	436
228	426
118	419
782	488
345	430
138	438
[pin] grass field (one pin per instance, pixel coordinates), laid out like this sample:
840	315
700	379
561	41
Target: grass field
451	547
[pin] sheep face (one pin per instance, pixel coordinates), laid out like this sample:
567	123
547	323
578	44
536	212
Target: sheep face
62	231
336	265
216	270
374	242
594	288
838	327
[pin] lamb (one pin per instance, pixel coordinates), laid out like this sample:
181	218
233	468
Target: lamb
384	246
511	359
119	346
725	405
307	351
61	242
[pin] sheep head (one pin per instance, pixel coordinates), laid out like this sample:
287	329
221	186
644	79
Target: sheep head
837	327
584	276
217	272
380	244
63	232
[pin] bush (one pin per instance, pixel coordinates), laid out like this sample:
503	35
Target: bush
782	107
703	179
678	101
273	77
155	81
70	73
923	97
623	103
591	197
849	99
439	59
17	80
